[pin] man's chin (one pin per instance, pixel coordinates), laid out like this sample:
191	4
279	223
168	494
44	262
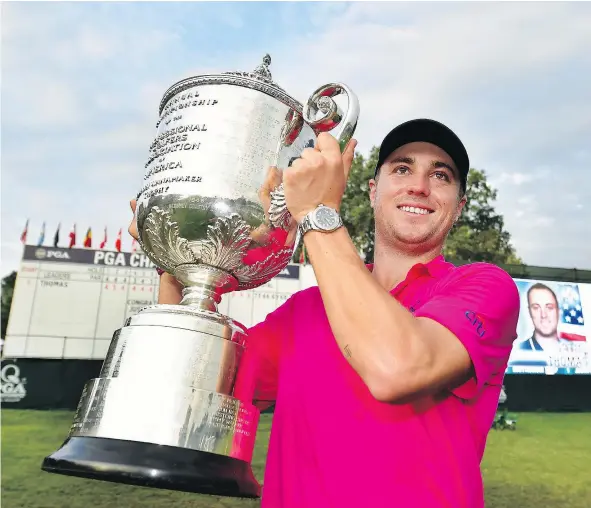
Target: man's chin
414	238
406	234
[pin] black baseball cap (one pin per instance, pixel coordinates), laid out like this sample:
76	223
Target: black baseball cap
428	131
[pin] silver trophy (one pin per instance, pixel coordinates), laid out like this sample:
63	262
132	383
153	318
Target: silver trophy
167	410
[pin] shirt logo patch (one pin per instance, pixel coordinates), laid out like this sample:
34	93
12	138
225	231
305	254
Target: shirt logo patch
477	322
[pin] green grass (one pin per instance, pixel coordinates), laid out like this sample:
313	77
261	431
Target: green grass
544	463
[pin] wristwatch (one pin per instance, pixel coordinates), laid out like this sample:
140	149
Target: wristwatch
322	218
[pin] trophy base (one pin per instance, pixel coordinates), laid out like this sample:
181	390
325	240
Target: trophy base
151	465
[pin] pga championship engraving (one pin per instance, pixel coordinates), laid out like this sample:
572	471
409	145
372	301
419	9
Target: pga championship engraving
170	408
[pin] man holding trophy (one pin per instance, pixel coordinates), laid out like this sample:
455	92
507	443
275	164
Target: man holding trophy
385	378
391	382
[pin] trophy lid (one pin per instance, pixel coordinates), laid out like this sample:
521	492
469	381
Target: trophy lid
259	79
261	72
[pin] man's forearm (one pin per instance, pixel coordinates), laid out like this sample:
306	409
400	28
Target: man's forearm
376	334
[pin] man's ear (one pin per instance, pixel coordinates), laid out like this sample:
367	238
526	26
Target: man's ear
372	191
460	207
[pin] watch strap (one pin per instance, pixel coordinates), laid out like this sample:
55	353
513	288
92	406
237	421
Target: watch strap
305	225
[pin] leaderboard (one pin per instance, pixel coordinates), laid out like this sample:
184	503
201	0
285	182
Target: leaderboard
67	303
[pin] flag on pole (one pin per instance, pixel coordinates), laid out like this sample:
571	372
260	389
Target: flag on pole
88	238
134	245
41	236
118	242
303	255
104	242
24	233
73	236
56	237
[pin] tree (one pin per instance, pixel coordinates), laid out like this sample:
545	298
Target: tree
356	211
479	234
6	300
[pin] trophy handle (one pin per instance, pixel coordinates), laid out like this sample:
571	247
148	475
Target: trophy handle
332	118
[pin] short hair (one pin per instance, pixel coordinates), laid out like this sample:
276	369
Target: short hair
539	285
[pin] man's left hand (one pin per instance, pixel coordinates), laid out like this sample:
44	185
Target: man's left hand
319	176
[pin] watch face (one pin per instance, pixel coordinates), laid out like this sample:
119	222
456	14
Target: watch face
326	218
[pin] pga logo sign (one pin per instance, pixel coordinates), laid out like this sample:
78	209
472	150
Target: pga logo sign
119	259
51	254
109	258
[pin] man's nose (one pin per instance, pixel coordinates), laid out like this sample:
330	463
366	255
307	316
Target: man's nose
419	184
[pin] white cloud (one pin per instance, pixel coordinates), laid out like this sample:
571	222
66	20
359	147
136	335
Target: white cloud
514	95
37	102
81	91
515	178
543	221
526	200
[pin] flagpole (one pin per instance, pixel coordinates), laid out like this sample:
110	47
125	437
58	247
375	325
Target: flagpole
24	236
56	235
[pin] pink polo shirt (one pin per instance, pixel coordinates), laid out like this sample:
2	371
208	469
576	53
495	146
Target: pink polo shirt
333	445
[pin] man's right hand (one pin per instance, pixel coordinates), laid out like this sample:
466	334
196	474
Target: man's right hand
170	291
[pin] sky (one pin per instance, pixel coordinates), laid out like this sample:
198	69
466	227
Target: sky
81	84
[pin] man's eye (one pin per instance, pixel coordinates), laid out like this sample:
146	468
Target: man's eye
401	169
442	175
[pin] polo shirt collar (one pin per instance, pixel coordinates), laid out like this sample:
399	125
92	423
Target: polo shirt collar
435	268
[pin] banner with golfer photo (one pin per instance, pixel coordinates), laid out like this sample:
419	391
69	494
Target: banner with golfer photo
553	337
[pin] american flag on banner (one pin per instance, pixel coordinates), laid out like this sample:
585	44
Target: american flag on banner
571	312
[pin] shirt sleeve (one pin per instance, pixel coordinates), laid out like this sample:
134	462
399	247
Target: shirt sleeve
258	371
480	306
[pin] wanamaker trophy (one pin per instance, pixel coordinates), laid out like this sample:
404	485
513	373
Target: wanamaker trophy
164	411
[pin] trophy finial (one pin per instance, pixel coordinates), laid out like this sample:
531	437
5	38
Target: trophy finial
263	69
